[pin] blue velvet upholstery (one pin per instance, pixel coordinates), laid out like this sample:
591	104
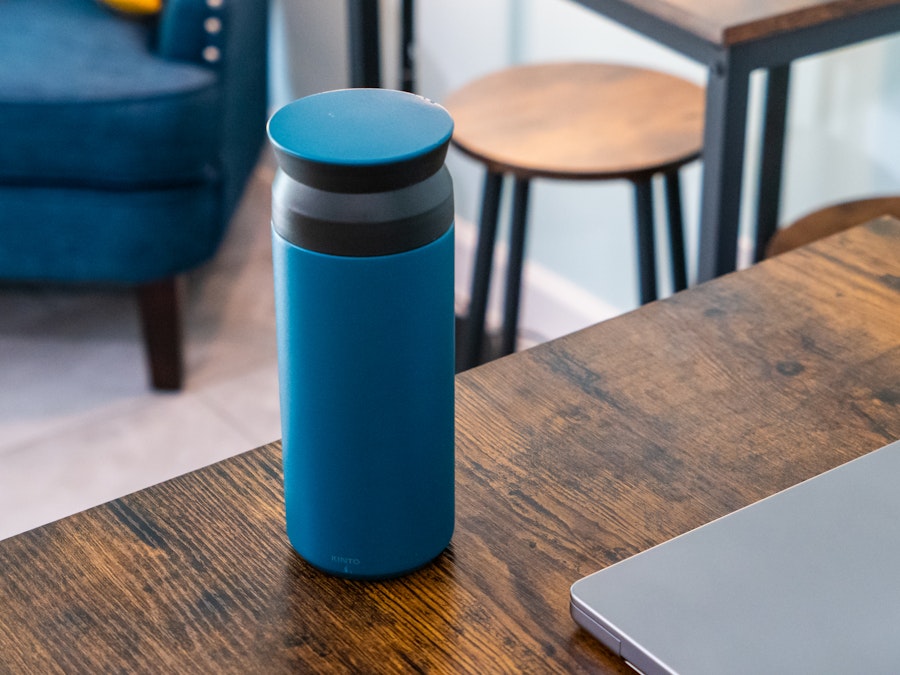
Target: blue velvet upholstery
125	143
118	163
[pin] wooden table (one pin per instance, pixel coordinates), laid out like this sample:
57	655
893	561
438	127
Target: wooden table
732	39
571	456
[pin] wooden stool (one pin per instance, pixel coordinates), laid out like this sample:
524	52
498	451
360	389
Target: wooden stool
574	121
830	220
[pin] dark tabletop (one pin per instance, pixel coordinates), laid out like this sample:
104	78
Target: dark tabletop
571	456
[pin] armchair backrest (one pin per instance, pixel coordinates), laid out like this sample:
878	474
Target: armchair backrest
229	35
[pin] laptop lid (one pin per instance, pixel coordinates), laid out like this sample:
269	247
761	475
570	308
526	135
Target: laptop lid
804	581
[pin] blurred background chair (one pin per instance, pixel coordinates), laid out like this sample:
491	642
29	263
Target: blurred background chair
831	220
125	144
573	121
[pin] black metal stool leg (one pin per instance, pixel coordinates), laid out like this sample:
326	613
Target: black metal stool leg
514	266
481	277
407	44
365	44
643	203
676	230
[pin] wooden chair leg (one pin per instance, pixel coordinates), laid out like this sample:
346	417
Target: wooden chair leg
161	325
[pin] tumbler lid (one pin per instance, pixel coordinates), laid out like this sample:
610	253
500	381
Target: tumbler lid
360	140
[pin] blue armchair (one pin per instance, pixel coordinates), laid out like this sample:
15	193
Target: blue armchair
125	144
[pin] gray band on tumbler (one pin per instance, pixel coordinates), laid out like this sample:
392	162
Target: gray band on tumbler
342	223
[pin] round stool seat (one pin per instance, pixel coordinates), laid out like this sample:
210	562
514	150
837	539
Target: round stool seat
831	220
573	121
579	121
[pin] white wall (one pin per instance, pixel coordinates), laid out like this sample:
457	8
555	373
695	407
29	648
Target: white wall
308	48
843	134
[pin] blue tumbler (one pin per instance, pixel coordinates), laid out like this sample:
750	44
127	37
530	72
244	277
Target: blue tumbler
362	246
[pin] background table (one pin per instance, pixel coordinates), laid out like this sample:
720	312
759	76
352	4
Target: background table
733	39
571	456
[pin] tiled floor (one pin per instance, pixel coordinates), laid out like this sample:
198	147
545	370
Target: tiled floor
78	423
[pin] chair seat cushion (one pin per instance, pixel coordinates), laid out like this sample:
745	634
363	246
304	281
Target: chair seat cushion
75	78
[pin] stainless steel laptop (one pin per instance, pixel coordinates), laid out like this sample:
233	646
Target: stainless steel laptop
804	581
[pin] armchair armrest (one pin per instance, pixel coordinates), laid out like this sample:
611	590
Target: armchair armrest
193	30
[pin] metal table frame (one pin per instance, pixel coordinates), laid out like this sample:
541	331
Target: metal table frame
729	67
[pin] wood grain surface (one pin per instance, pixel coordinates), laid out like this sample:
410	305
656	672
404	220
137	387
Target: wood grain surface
830	220
578	120
731	22
571	456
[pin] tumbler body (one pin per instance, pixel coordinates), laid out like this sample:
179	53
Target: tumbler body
365	328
